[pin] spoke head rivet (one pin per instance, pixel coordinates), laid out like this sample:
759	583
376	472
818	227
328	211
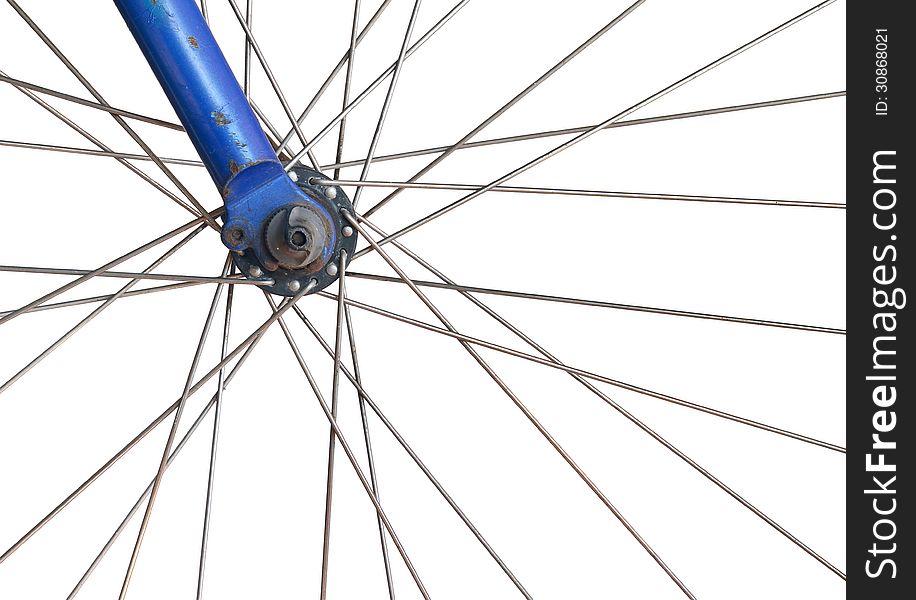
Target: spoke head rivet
332	269
293	286
294	176
255	271
331	192
347	231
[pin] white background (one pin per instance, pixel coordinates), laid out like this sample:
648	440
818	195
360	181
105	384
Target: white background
75	409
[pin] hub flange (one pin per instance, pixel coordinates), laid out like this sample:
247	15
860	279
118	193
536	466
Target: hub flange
299	240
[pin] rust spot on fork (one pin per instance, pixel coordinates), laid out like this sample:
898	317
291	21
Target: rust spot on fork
193	41
221	119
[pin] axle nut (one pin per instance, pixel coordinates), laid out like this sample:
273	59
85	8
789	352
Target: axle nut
297	235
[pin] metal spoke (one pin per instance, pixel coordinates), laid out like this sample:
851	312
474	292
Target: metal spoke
253	44
204	11
246	72
574	130
77	100
460	186
348	80
528	414
131	275
366	399
505	107
350	456
273	136
416	45
47	351
70	123
350	57
587	134
163	463
120	120
364	420
124	257
635	420
387	103
601	304
218	404
335	389
573	370
572	192
102	298
327	82
72	150
587	374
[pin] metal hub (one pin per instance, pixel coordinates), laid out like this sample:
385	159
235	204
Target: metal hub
299	241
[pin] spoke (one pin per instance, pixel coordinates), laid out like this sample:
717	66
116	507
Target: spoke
120	120
587	134
635	420
131	275
365	399
346	448
351	57
47	351
67	121
432	30
364	419
387	103
327	82
573	130
247	346
204	10
528	414
573	192
273	136
72	150
253	44
163	463
587	374
518	97
246	72
221	385
335	389
77	100
12	315
601	304
102	298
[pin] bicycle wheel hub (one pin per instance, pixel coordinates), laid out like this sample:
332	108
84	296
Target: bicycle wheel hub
290	240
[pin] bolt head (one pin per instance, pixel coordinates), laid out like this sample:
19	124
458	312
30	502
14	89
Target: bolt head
331	192
293	286
235	235
347	231
255	271
332	269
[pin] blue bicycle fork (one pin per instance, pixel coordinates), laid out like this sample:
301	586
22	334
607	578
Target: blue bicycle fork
280	229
